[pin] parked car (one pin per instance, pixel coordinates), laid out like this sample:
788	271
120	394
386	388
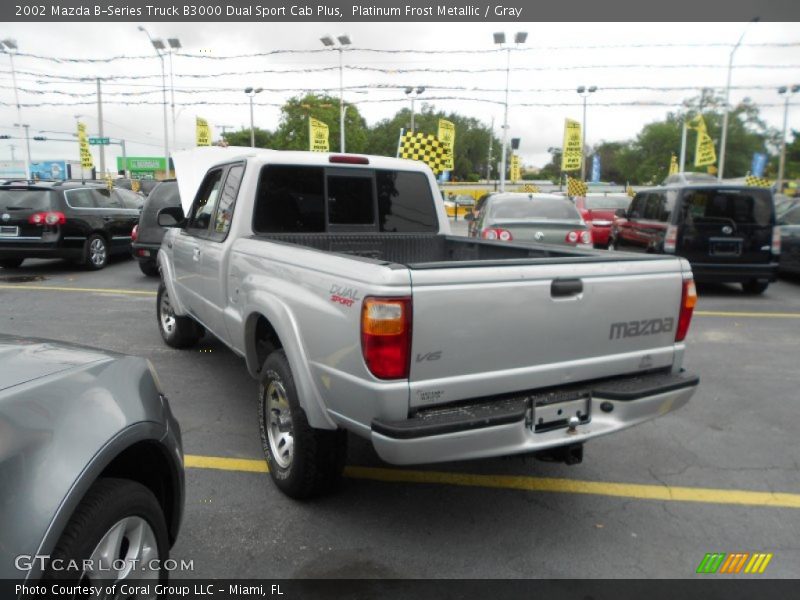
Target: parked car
475	213
459	205
316	268
727	232
147	234
83	222
789	224
598	210
141	186
91	465
545	218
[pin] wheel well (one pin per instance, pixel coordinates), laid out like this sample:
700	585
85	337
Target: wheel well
147	463
265	340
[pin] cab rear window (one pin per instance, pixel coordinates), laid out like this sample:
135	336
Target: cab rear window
746	206
26	199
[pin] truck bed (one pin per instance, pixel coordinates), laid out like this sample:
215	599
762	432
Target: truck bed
423	250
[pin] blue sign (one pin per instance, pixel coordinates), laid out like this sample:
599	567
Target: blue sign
595	168
759	162
49	169
444	176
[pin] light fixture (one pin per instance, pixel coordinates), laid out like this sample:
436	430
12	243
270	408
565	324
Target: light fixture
327	40
500	38
174	43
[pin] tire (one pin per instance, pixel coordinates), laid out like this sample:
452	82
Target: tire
11	263
612	245
313	462
178	332
755	286
95	252
113	507
148	267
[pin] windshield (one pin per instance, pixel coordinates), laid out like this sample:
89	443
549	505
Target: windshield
607	202
23	199
166	194
523	208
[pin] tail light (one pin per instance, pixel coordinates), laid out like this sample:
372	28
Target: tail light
671	239
776	240
348	159
386	336
586	237
504	235
47	218
574	237
688	300
135	233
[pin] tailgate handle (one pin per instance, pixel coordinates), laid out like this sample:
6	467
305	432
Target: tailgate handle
566	287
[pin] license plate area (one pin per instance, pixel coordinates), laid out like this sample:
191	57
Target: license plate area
554	411
724	247
9	231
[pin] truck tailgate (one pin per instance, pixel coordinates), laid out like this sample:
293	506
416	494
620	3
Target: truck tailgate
482	331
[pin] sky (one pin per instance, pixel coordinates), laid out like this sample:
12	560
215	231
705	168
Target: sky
544	75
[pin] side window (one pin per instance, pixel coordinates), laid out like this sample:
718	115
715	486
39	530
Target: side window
350	200
656	208
227	202
83	198
290	200
792	217
105	199
205	202
638	206
405	202
127	198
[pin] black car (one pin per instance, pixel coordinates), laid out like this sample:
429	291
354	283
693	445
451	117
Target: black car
790	241
83	222
148	234
727	232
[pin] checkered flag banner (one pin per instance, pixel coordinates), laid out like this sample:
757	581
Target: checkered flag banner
754	181
529	188
428	149
576	187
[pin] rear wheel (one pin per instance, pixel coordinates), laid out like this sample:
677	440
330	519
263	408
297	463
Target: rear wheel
612	244
178	332
755	286
149	267
303	461
95	253
11	263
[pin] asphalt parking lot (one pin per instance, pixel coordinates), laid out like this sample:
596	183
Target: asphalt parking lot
720	475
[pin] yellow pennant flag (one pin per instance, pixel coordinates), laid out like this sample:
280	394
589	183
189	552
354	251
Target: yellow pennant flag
576	187
673	165
202	132
83	143
514	174
704	152
317	136
447	137
572	156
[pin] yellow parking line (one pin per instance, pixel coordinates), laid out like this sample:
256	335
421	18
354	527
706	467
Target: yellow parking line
52	288
530	484
755	315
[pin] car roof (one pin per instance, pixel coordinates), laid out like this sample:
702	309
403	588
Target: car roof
702	186
50	185
505	196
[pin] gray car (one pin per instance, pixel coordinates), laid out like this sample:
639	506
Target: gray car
91	465
545	218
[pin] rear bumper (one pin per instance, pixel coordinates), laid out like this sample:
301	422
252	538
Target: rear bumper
600	234
485	428
145	252
734	273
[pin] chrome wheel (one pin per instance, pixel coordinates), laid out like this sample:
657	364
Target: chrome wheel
126	552
166	315
279	424
97	252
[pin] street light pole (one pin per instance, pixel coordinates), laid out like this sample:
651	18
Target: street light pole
584	92
328	42
500	39
410	91
725	116
174	45
782	162
251	92
9	46
159	47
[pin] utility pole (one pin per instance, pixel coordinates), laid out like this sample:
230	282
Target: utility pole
489	155
11	147
100	127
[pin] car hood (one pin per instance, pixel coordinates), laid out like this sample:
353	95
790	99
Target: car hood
26	359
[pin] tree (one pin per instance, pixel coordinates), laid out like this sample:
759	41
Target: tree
792	167
292	132
263	138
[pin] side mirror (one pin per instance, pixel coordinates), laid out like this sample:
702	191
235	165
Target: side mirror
620	212
469	216
171	216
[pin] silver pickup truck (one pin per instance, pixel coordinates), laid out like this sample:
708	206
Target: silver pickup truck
337	279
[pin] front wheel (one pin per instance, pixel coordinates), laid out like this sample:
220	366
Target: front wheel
755	286
302	461
612	244
178	332
118	532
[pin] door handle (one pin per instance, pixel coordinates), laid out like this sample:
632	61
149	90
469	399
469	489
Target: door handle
107	218
561	288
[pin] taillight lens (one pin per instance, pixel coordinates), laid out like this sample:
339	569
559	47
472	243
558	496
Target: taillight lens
386	336
135	233
586	237
671	239
504	235
688	300
572	237
47	218
776	240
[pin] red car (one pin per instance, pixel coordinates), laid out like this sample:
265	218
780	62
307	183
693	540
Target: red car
598	212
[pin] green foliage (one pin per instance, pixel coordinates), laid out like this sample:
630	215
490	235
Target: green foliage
292	132
263	138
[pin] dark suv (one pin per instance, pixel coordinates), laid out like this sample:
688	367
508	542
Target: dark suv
148	235
727	232
83	222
